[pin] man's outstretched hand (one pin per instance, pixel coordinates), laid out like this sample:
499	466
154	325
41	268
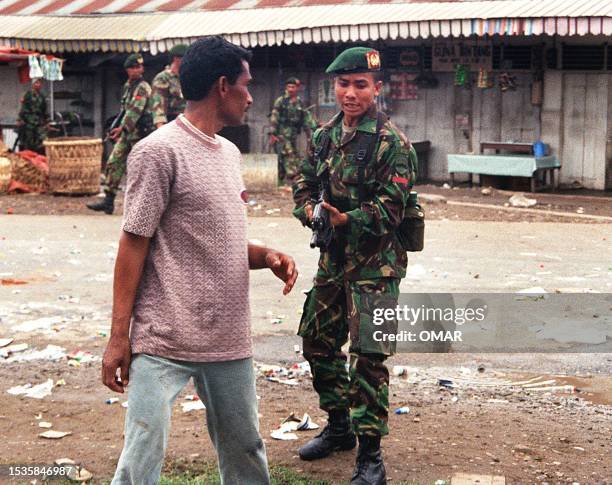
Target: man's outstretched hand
118	355
283	266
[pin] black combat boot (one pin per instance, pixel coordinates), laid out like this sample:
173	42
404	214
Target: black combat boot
369	469
337	435
107	204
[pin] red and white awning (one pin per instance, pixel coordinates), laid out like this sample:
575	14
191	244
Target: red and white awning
255	23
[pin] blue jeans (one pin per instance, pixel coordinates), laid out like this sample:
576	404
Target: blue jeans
228	391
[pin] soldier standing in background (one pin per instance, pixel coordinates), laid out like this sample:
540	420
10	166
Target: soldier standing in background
33	118
136	122
363	264
288	118
167	99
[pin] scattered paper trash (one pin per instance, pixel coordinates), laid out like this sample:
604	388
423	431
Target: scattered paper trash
55	435
124	404
192	406
402	410
292	423
519	200
447	383
45	424
39	324
5	341
112	400
277	434
39	391
76	472
400	371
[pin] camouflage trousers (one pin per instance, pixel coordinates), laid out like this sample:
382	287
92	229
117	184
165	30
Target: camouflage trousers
288	159
31	138
116	165
333	311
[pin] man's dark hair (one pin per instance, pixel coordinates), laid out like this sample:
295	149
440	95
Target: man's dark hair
207	60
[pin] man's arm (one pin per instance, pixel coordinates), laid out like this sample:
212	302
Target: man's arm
159	100
282	265
128	271
135	107
306	185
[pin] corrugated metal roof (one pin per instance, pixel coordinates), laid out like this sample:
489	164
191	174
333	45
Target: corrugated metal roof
561	8
250	27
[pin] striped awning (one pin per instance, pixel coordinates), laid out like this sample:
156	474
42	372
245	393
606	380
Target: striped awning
269	26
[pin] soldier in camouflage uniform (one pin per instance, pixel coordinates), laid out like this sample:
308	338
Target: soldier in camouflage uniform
136	123
364	263
288	118
33	118
167	100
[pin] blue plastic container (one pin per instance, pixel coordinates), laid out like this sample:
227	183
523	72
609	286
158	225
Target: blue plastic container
539	149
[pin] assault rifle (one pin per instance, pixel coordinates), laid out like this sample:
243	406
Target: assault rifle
322	230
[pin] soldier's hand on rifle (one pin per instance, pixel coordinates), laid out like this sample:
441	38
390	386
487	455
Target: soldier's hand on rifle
19	123
336	218
158	125
115	133
308	210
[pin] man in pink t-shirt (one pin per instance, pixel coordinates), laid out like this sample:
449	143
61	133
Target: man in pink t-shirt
180	296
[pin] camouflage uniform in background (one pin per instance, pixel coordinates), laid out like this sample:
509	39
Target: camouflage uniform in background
167	100
135	100
364	262
33	114
288	118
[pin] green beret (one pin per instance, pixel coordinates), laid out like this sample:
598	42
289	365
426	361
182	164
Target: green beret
178	50
133	60
355	59
293	80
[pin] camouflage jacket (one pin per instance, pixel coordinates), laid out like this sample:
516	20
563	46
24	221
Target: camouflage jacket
167	98
33	110
367	247
137	106
289	118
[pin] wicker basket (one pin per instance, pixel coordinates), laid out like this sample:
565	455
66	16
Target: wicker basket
5	174
25	172
74	165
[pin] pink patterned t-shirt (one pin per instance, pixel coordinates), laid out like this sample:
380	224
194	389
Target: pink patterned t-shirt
184	192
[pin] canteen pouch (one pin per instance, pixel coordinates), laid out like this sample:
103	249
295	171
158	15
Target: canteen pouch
411	232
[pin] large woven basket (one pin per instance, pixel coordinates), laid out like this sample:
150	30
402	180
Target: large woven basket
5	173
74	164
26	173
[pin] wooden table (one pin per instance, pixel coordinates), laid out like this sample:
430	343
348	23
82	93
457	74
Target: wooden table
541	171
524	148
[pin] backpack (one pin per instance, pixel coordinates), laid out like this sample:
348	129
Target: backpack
411	231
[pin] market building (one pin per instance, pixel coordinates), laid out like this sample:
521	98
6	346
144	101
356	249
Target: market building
458	73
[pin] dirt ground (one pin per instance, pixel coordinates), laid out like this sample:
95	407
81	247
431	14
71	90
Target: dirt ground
525	436
280	203
481	426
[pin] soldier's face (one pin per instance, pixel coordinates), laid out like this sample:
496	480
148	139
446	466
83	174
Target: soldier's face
236	98
135	72
355	93
292	89
37	85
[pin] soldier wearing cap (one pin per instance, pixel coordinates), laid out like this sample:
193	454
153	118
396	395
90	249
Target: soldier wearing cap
167	100
136	122
288	118
363	264
33	118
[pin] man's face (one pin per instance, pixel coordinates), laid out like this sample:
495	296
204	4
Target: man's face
238	99
135	72
355	93
292	89
176	62
37	85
